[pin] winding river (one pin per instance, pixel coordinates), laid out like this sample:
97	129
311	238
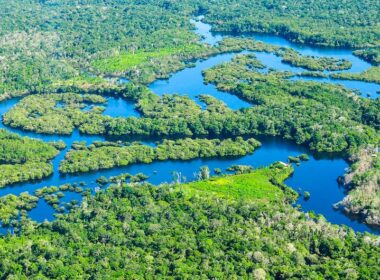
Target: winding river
317	176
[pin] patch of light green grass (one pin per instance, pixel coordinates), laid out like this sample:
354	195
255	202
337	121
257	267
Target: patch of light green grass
256	186
125	61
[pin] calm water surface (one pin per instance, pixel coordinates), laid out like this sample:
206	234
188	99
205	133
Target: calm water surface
272	61
317	176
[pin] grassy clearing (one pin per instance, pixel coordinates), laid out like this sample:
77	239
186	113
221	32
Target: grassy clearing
125	61
258	185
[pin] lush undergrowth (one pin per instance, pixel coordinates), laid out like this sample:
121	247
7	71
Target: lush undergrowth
201	230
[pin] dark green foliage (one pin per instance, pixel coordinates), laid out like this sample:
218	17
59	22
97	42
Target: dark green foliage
23	159
371	55
327	23
102	181
298	159
371	75
108	155
326	117
303	157
139	177
240	169
54	113
294	159
11	207
314	63
306	195
224	228
172	232
48	44
217	171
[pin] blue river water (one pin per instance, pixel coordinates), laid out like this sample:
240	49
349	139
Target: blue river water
370	90
317	176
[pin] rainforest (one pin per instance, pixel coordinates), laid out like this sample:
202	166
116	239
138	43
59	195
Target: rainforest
176	139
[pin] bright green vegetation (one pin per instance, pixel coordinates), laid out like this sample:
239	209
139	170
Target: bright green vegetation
53	113
371	55
16	173
159	66
363	183
325	117
55	42
314	63
126	61
371	75
13	207
201	230
23	159
103	155
262	185
16	149
326	23
238	226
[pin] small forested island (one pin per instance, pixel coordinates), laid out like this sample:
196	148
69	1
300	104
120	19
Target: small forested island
24	159
189	139
107	155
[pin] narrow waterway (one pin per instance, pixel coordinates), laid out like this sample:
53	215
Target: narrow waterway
317	176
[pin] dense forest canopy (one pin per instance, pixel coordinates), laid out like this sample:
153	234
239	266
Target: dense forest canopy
204	229
23	159
66	59
42	42
331	23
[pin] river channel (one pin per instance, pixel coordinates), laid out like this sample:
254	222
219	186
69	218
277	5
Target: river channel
318	176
